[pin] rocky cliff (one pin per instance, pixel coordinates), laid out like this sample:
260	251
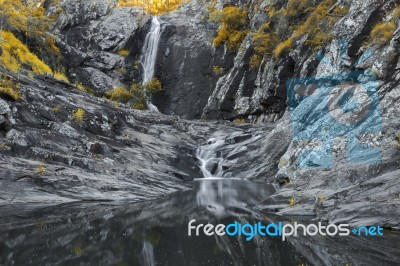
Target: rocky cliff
114	152
343	190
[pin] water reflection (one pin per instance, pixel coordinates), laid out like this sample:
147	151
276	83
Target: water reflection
155	233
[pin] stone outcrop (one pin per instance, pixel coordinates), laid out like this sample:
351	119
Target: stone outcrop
118	153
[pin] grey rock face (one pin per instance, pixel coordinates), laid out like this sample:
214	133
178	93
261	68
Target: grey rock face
262	97
119	153
50	157
347	191
91	34
186	60
6	119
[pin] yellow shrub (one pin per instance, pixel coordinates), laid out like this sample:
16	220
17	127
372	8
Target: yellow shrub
56	108
283	48
396	13
292	201
218	70
383	32
28	17
81	87
264	43
341	10
122	70
79	115
297	7
140	93
215	15
153	86
155	7
234	28
41	169
240	121
139	105
51	43
13	93
318	25
123	52
61	76
255	61
15	54
120	95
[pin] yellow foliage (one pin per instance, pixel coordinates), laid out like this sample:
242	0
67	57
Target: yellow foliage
212	5
79	115
297	7
61	77
28	21
341	10
140	93
292	201
240	121
234	28
155	7
78	251
13	93
255	61
397	139
123	52
383	32
51	43
218	70
318	25
139	96
81	87
140	105
283	48
15	54
120	95
215	15
153	86
122	70
28	17
56	108
41	169
396	13
264	42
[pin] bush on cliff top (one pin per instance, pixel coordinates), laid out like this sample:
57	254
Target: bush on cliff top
234	28
383	32
155	7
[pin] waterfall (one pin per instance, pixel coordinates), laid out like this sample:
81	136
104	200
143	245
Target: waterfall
147	254
210	161
149	56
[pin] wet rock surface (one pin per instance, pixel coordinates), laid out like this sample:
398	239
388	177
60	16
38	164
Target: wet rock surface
112	154
156	231
186	59
90	36
116	153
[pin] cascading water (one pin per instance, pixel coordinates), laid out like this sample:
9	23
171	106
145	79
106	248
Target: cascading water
210	193
210	160
148	254
149	55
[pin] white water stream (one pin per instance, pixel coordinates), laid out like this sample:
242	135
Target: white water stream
210	160
149	56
